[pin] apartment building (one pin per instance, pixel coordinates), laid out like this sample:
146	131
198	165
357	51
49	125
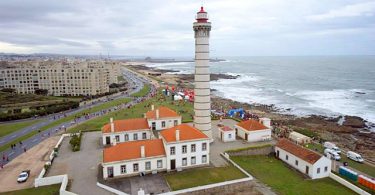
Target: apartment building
59	78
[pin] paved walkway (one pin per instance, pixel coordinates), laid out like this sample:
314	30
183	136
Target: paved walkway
81	166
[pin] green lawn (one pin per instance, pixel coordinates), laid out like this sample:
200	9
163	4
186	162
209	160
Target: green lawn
202	176
144	91
44	190
284	180
8	128
68	118
368	169
185	109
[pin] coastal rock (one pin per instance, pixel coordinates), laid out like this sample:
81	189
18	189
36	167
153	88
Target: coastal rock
354	121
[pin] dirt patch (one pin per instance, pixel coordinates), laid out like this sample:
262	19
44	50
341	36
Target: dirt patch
34	160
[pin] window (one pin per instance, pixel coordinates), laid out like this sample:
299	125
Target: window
162	123
229	136
123	169
296	162
135	136
193	160
126	137
318	171
192	147
117	138
144	136
173	150
175	122
204	146
204	159
184	149
148	165
184	161
286	157
325	169
135	167
160	164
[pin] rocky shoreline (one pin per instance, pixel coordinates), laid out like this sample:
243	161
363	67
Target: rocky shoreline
347	132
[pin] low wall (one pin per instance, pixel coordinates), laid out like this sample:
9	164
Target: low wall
348	184
110	189
252	151
228	189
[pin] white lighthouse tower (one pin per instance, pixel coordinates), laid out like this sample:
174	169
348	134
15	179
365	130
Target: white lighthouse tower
202	100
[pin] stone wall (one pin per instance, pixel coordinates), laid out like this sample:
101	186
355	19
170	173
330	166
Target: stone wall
246	187
253	151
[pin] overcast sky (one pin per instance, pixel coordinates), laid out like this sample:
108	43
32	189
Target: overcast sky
164	28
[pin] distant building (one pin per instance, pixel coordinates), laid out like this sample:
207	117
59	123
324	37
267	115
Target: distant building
299	138
180	147
304	160
253	131
162	118
60	78
227	134
125	130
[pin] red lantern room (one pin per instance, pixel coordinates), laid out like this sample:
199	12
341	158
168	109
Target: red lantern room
202	16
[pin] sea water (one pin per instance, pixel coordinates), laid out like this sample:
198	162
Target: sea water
322	85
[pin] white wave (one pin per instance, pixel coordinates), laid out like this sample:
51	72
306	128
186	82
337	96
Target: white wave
244	79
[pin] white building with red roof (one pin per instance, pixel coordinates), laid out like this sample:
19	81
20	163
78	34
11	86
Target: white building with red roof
162	118
126	130
253	130
179	147
304	160
227	134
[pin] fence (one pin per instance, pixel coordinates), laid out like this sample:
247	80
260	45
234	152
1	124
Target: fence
348	184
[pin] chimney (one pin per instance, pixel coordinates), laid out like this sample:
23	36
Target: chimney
152	107
143	153
157	113
177	135
114	142
144	115
112	125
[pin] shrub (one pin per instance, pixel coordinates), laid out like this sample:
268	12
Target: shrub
75	142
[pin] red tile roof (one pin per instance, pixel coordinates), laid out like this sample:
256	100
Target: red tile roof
132	150
164	112
301	152
251	125
226	128
127	125
187	132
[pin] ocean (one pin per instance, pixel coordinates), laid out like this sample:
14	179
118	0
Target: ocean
321	85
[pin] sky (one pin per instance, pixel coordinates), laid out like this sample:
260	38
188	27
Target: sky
164	28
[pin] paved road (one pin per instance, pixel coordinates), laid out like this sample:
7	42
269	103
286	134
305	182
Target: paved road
10	154
133	82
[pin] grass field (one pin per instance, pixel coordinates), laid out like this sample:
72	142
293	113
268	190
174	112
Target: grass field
44	190
284	180
68	118
8	128
202	176
144	91
185	109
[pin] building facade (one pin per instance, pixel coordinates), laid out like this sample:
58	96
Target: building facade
126	130
253	131
60	79
304	160
227	134
162	118
202	100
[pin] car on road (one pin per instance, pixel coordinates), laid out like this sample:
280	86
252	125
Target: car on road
332	154
354	156
23	176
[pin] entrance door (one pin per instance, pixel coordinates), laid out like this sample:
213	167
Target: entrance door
221	135
277	154
108	140
307	170
246	136
110	171
173	164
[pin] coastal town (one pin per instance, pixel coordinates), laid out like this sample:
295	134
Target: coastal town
80	125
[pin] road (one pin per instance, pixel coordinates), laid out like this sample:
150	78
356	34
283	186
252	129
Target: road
9	154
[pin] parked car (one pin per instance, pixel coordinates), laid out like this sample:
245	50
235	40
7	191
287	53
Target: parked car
331	154
332	146
354	156
23	176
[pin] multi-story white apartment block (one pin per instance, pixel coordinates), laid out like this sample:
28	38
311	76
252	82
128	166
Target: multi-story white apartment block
59	78
179	147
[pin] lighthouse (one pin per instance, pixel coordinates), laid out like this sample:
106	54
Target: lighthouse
202	100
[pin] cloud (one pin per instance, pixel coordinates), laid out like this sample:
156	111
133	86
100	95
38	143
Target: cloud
360	9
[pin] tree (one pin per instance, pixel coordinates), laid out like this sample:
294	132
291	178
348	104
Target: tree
8	90
41	91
